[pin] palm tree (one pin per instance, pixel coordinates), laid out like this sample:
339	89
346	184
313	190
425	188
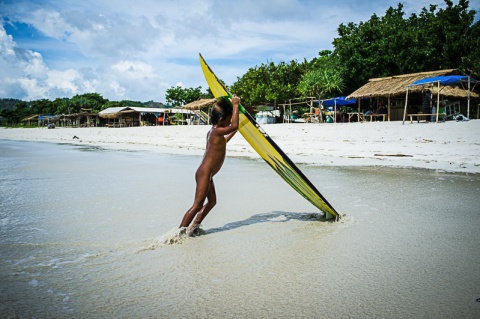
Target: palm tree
323	83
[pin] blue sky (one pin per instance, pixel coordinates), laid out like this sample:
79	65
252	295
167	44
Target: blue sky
135	50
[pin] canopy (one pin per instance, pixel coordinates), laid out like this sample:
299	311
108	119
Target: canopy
339	100
444	81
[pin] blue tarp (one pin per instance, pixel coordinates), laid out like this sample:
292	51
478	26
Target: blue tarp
445	80
339	101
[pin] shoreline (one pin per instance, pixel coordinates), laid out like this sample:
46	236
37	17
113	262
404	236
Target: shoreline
450	147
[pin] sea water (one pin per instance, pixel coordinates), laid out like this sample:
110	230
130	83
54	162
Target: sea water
82	234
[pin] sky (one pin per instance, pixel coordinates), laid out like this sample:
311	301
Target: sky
136	50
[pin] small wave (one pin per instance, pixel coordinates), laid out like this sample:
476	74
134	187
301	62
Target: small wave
174	236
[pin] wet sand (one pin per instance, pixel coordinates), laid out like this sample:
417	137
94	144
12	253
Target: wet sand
81	226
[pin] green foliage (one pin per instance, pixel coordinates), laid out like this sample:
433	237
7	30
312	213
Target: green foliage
392	44
88	101
178	95
382	46
9	104
153	104
270	83
324	79
43	106
61	105
111	104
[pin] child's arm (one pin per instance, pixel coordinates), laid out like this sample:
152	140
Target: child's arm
234	124
235	116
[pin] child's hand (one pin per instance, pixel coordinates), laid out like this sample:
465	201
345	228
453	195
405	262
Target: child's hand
235	100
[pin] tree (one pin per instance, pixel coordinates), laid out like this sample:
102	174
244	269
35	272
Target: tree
453	25
270	83
324	78
61	105
471	60
42	106
131	103
9	103
111	104
14	116
390	45
91	101
178	95
321	83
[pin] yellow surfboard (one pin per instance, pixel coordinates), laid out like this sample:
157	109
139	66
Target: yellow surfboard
268	149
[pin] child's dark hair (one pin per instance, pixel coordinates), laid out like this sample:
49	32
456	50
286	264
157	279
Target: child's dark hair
221	109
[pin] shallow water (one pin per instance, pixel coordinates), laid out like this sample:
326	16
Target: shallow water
82	228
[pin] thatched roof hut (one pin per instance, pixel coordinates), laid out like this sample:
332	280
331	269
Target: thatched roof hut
199	104
111	112
453	91
394	88
395	85
30	118
40	119
116	112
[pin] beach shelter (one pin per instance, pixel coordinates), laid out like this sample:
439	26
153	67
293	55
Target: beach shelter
197	108
199	104
444	81
338	101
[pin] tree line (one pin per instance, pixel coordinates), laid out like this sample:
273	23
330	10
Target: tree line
392	44
13	111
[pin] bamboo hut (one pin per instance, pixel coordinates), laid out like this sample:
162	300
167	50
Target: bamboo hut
82	119
136	116
40	120
393	89
200	116
436	85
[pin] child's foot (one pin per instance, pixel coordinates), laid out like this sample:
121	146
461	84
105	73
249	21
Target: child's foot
193	230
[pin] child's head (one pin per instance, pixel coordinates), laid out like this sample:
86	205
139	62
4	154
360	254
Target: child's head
221	111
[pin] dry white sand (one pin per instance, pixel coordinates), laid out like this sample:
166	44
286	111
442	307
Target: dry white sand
451	146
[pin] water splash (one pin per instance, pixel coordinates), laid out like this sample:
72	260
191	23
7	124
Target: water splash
174	236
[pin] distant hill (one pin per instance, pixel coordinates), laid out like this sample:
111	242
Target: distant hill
8	104
153	104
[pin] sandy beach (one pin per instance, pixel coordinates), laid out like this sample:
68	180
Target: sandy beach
450	146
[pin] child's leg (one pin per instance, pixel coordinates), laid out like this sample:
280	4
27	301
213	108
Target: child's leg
203	185
211	202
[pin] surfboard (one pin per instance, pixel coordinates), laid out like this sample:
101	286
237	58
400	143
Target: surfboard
263	144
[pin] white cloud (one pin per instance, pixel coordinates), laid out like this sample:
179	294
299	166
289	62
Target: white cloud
6	44
49	22
21	70
137	49
32	89
133	69
63	80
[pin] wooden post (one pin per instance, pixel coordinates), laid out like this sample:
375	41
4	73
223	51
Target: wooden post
438	100
290	116
358	113
405	110
388	108
468	103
